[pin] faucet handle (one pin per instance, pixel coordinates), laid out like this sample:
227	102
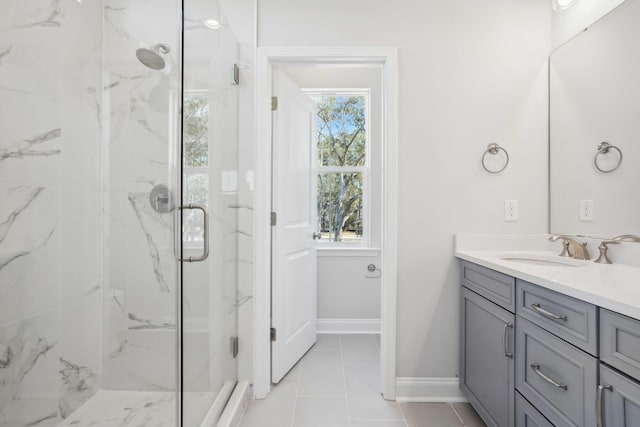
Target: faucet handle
565	249
603	258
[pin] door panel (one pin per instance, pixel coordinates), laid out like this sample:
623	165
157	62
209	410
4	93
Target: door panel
486	371
293	286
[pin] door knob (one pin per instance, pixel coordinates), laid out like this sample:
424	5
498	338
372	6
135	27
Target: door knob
317	236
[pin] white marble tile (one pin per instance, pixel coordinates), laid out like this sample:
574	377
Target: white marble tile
81	18
151	359
33	26
80	160
137	408
29	117
80	358
29	374
196	367
80	236
29	252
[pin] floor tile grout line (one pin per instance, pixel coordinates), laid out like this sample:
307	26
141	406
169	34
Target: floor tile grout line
404	418
456	412
295	399
344	380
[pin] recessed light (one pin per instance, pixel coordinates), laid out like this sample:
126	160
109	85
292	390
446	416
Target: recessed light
562	4
212	24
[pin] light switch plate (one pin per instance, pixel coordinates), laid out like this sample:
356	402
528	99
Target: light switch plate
586	210
510	210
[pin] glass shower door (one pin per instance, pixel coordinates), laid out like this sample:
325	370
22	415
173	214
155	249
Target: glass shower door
209	161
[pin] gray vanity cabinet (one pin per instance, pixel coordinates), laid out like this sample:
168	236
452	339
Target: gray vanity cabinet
566	363
618	403
487	363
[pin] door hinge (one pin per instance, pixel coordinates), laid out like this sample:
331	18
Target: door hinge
274	103
234	347
274	218
273	334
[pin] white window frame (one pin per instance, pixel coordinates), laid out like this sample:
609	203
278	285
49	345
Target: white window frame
198	170
364	170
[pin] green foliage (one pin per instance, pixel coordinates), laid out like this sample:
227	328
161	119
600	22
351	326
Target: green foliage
341	131
341	143
195	132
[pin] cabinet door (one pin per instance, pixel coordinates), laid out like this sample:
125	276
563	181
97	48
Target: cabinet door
618	400
486	362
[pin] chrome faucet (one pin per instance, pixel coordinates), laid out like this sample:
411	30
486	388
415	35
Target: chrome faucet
579	249
627	238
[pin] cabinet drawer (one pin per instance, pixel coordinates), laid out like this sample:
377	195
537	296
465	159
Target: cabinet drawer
555	377
572	320
619	399
527	415
496	287
620	342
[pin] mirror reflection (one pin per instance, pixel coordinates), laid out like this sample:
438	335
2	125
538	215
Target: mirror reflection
594	129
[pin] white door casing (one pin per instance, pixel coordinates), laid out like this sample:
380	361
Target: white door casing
294	255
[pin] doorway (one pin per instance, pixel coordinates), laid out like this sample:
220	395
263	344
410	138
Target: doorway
270	60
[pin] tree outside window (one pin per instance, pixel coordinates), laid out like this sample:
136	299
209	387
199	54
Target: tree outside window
342	166
195	138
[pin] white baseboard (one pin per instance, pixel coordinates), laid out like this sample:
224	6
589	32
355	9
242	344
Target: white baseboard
413	389
349	326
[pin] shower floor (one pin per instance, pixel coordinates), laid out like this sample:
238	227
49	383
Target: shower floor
140	408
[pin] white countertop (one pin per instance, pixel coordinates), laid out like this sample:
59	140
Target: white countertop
615	287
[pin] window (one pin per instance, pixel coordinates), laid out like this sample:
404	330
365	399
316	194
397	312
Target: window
196	161
343	166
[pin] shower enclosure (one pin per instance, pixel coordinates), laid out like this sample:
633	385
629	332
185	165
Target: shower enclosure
119	207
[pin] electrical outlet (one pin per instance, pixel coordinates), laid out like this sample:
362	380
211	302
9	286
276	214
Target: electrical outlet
586	210
510	210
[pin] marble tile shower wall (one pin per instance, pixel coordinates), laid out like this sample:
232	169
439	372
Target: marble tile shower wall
50	280
140	110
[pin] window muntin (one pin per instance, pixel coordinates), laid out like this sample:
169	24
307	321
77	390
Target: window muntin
343	166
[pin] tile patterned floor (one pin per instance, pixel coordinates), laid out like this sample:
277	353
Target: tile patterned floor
336	385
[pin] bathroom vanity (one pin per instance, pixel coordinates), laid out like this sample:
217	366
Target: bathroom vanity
549	341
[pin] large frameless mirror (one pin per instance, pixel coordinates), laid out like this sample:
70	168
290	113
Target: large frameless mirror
594	129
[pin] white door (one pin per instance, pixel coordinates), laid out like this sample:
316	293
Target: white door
293	251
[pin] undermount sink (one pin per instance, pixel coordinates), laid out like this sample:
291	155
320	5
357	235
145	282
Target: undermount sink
542	260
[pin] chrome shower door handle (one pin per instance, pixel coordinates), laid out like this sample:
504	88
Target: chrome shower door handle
205	252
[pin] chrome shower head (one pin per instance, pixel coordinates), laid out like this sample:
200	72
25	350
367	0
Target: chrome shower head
152	57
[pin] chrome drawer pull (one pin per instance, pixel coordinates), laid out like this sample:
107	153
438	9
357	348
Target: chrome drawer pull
504	340
536	369
550	315
601	389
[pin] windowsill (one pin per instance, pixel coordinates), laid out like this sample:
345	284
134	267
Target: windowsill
346	251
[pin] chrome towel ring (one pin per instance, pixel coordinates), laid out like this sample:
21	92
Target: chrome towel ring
494	149
604	148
